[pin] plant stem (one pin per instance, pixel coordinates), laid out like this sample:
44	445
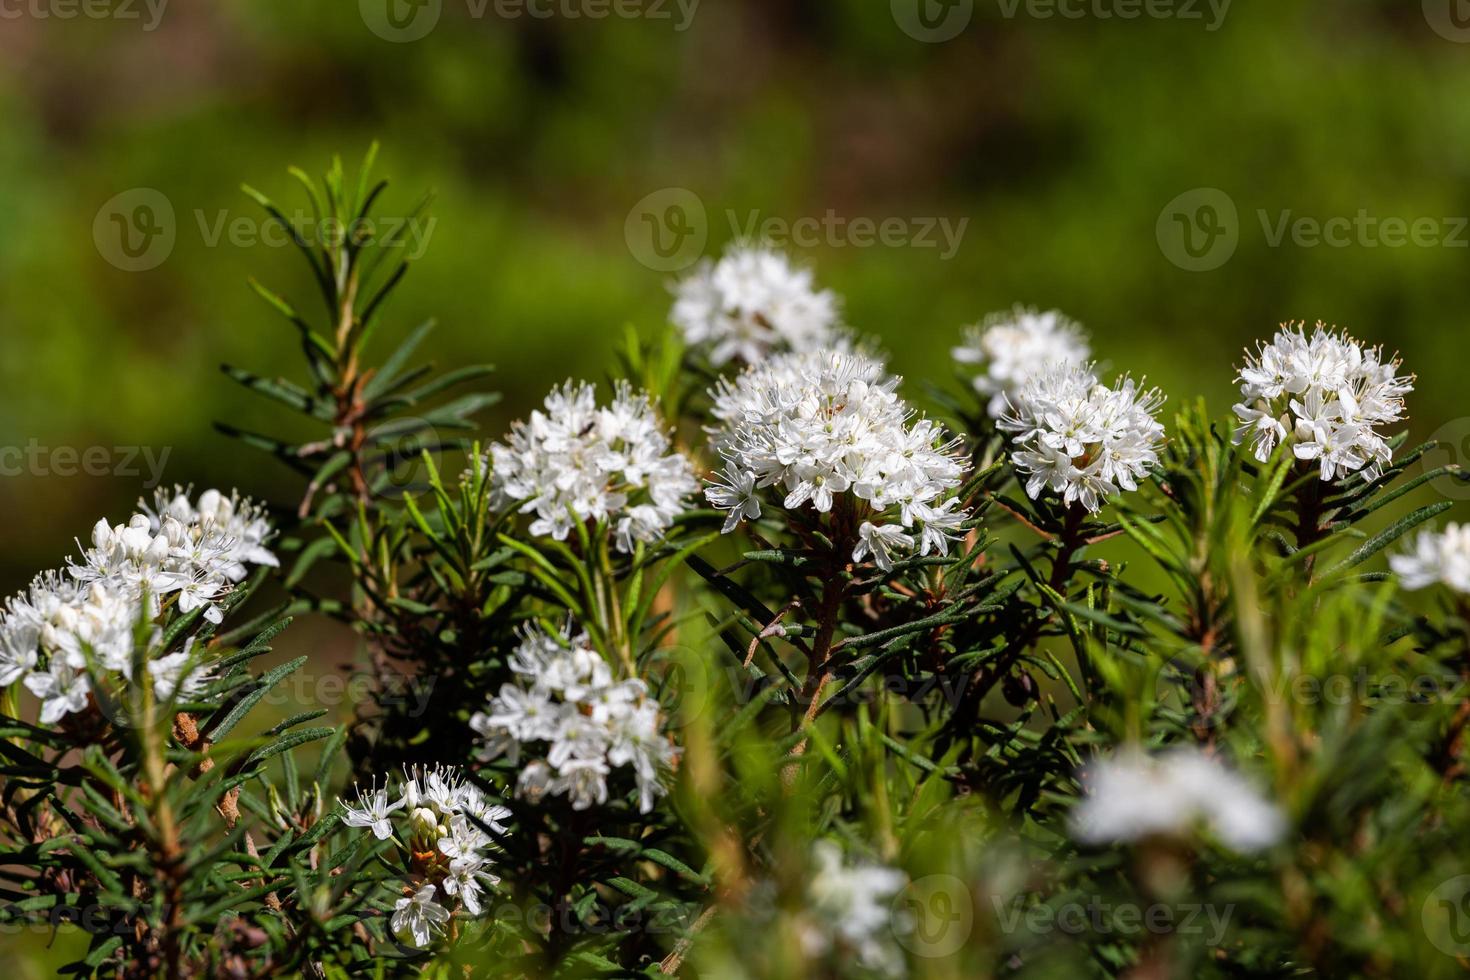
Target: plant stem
819	660
165	844
1309	522
1069	541
1447	756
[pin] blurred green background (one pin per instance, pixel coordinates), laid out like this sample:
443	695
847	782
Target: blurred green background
1062	141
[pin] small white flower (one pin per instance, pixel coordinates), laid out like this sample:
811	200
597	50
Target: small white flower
1436	558
638	742
484	813
417	918
528	714
577	737
1132	796
881	541
736	493
439	787
202	593
466	881
1014	347
574	462
850	909
752	303
1327	394
583	781
62	688
576	722
1081	439
827	430
464	841
18	645
534	781
374	811
169	677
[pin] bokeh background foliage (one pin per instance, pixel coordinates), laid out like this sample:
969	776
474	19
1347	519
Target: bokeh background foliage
1059	140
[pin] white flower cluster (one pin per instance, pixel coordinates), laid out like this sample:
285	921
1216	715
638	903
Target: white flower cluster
440	821
577	462
1082	439
1012	348
198	552
1327	394
850	910
1133	796
828	429
752	303
577	720
1436	558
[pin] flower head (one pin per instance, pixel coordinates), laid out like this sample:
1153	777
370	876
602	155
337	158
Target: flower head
61	621
577	721
173	545
1133	796
1436	558
1014	347
752	303
849	904
575	461
827	430
1326	394
444	824
73	628
1082	439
